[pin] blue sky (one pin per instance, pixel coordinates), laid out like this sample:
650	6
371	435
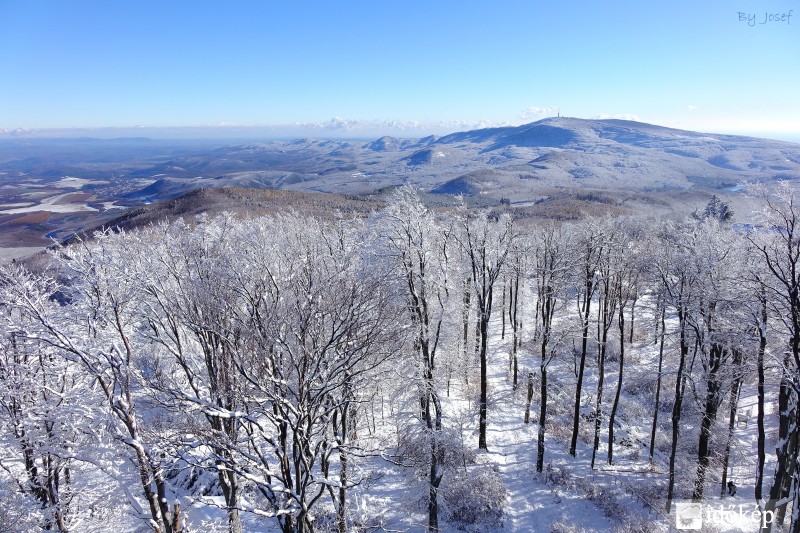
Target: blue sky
398	66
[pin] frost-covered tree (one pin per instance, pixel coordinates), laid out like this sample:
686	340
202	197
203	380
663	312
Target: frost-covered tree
716	209
715	326
516	268
485	242
629	272
589	244
757	309
420	249
188	280
606	310
550	264
37	429
321	325
96	332
677	279
780	252
699	266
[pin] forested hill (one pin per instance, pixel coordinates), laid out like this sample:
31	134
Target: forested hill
243	201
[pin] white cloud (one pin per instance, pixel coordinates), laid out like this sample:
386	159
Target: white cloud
336	127
691	107
617	116
16	131
537	113
342	125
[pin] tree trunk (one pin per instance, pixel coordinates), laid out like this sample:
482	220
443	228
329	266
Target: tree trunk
598	406
435	473
716	356
542	417
435	476
658	386
736	388
762	347
484	323
148	473
465	316
615	405
230	491
780	514
515	336
433	505
787	448
530	398
478	334
503	314
603	325
680	383
576	413
342	438
177	518
547	303
161	525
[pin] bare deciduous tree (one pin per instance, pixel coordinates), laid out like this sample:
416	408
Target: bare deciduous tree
419	247
486	242
551	267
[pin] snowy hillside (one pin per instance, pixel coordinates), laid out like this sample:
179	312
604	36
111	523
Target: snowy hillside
555	167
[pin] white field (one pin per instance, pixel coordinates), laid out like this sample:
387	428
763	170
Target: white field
76	183
49	204
7	254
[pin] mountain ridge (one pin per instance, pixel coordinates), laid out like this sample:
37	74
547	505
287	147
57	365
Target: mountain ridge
554	160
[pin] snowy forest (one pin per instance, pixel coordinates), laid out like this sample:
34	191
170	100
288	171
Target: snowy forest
417	368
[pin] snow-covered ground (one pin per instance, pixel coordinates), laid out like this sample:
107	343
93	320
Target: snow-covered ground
626	496
391	453
569	496
6	254
51	204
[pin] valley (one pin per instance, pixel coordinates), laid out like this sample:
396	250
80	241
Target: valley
556	168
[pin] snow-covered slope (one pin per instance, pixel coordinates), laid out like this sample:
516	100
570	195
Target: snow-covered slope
525	161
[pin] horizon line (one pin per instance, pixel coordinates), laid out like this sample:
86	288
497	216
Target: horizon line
337	128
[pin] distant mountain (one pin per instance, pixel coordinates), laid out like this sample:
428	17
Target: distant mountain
425	141
557	167
158	190
551	153
538	134
617	154
384	144
426	156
